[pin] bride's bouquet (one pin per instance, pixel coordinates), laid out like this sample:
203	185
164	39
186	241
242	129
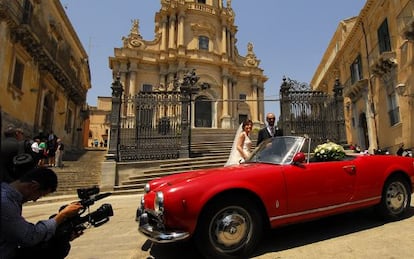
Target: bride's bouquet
329	152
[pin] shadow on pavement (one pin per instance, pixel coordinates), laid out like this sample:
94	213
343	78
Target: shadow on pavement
285	237
297	235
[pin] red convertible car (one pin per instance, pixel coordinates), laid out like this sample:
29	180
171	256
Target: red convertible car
226	210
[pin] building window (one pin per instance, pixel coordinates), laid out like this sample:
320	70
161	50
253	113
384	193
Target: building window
203	42
242	118
384	40
242	97
18	71
147	88
356	70
394	112
201	1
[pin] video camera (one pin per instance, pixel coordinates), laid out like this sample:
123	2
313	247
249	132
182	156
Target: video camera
76	224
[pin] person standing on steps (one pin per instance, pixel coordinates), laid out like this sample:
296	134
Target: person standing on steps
59	153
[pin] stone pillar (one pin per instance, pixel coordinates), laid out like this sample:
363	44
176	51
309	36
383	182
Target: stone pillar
339	112
255	103
132	88
225	117
232	44
113	149
171	42
164	34
181	29
228	43
372	136
223	40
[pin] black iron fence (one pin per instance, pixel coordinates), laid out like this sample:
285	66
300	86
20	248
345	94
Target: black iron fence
316	114
152	131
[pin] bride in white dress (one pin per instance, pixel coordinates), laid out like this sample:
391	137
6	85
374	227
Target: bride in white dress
242	144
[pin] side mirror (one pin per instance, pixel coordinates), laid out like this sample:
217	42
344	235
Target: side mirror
299	158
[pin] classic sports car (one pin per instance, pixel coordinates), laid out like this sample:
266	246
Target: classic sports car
227	209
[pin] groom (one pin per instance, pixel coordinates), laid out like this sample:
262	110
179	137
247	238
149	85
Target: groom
270	131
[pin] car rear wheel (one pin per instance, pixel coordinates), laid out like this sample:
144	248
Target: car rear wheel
229	229
396	198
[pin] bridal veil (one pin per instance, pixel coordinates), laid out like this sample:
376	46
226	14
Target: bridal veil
235	157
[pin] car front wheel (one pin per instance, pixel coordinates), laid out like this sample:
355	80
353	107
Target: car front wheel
396	198
229	229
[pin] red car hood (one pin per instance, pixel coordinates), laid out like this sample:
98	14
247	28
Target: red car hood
210	173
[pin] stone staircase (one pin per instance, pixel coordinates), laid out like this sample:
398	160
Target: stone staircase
210	148
82	169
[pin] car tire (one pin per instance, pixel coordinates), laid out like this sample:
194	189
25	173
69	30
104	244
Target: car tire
395	199
229	228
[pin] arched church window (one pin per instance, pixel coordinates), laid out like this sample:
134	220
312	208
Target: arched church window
203	42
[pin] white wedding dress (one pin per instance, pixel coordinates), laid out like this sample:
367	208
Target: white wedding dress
235	157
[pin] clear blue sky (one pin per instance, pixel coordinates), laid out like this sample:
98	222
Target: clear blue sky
289	37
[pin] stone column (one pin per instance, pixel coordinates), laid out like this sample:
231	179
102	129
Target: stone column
225	117
255	109
181	29
223	40
372	136
117	89
164	34
171	41
131	100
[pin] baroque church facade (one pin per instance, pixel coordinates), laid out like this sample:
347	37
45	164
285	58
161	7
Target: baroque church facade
200	35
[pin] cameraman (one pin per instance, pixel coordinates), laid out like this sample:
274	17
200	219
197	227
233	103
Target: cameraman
19	237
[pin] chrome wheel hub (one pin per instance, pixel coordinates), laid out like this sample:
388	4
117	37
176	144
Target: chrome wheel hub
230	228
396	197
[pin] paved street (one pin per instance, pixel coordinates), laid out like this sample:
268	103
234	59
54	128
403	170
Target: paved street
353	235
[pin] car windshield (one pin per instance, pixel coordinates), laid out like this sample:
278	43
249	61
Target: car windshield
278	150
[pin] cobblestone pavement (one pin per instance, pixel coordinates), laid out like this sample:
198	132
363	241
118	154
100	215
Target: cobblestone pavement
352	235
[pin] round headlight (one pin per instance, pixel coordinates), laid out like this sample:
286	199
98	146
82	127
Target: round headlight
147	188
159	202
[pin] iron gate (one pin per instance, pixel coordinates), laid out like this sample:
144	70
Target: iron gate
316	114
152	131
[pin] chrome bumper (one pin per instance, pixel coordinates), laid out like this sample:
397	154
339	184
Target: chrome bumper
157	235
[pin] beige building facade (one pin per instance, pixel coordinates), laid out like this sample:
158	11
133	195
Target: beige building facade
372	56
44	71
99	124
200	35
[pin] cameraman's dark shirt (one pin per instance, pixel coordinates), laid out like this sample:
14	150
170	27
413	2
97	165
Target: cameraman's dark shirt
15	230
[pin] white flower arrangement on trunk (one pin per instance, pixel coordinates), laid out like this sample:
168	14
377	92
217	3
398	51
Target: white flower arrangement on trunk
329	152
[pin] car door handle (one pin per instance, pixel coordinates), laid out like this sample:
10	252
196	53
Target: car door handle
350	169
